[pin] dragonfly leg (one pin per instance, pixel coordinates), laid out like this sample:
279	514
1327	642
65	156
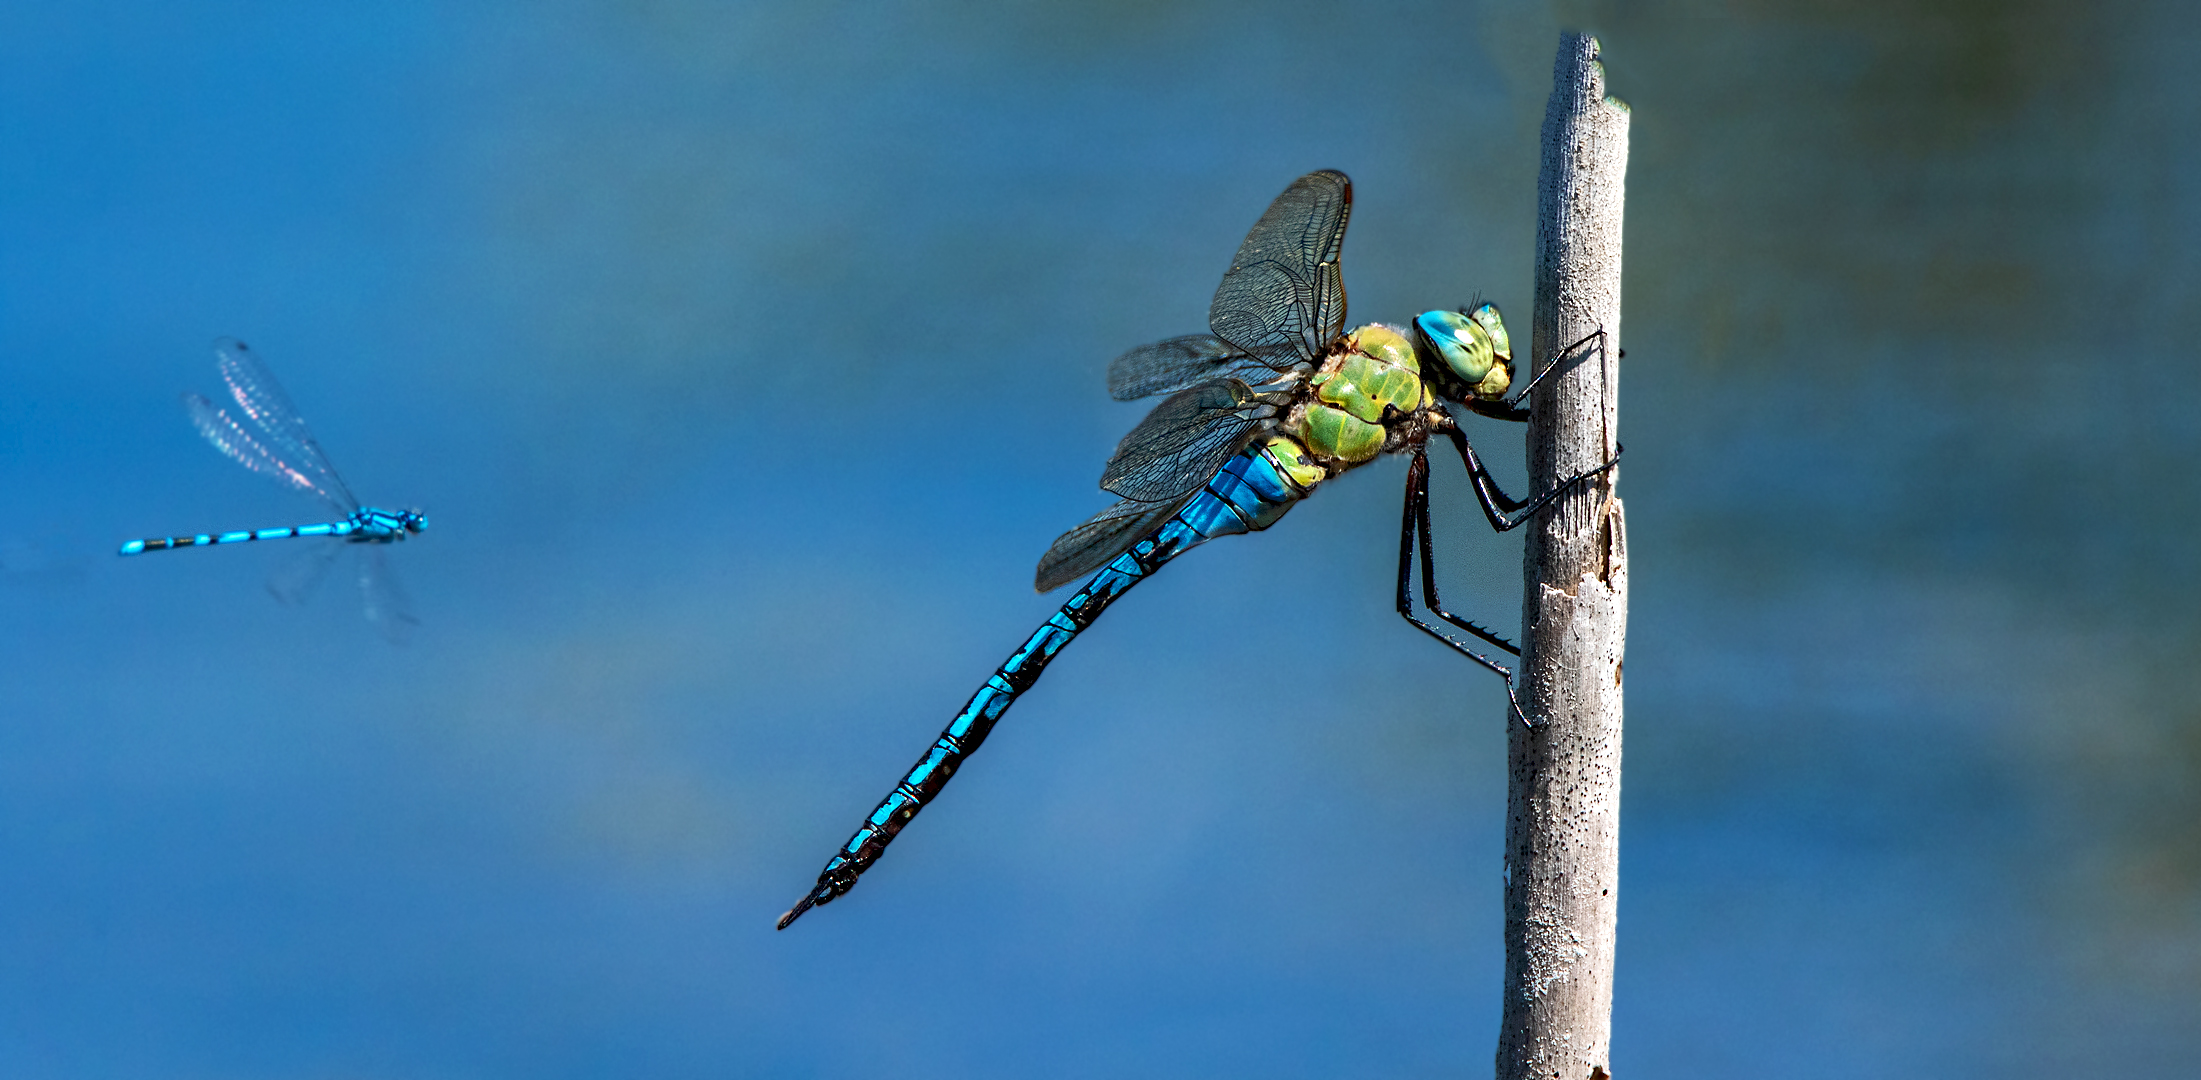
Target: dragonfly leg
1416	524
1414	531
1505	512
1516	409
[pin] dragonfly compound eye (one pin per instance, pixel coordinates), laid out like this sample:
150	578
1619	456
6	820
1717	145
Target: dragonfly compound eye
1480	359
1487	317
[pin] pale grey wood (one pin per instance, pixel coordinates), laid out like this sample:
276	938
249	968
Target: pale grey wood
1563	799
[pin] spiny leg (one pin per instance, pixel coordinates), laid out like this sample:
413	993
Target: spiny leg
1560	358
1505	512
1413	525
1417	501
1514	409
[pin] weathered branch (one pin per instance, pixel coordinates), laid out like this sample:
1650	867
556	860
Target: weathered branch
1563	803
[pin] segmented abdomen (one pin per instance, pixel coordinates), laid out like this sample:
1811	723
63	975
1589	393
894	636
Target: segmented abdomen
1251	492
164	543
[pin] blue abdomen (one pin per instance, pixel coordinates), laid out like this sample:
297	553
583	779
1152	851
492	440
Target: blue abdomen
1252	492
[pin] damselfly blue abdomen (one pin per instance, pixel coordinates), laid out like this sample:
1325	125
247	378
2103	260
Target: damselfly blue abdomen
278	444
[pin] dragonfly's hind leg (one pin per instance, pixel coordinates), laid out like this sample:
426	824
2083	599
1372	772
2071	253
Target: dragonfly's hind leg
1414	531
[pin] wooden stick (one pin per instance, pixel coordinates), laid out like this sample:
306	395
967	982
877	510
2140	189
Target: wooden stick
1563	800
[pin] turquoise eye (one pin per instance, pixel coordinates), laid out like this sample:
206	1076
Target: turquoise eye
1459	341
1486	316
1473	347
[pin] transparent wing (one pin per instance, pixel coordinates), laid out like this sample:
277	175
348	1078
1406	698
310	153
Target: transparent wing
231	438
1169	366
388	608
1184	440
297	576
1283	299
264	404
1106	535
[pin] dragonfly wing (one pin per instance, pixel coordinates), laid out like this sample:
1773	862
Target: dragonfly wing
265	404
1184	440
1169	366
1283	299
297	576
388	608
231	438
1106	535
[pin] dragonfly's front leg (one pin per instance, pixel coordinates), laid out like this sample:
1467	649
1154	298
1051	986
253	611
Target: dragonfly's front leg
1516	410
1414	531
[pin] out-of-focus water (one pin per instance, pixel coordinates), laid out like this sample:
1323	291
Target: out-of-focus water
747	357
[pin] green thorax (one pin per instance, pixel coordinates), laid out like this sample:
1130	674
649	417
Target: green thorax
1373	378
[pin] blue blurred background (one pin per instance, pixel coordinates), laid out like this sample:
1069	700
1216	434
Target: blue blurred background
746	357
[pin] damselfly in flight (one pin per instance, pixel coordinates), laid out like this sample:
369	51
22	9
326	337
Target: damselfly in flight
274	441
1274	400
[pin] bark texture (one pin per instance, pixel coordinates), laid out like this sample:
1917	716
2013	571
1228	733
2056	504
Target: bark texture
1563	802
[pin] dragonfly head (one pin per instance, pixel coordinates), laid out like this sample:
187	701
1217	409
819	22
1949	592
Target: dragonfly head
413	520
1474	358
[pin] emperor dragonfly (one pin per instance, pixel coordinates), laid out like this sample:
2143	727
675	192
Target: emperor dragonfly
1274	400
